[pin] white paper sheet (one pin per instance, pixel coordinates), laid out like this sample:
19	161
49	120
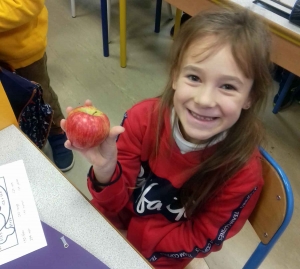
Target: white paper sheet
277	5
21	231
289	3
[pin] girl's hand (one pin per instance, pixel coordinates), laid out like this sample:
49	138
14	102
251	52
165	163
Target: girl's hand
104	156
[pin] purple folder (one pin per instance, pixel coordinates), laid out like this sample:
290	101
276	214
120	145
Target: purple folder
56	256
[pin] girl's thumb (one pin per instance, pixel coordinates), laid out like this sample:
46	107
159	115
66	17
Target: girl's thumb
114	133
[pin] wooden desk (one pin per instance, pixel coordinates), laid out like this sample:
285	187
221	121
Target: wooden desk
285	35
61	206
7	116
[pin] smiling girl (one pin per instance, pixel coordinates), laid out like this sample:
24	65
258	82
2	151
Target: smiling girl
185	172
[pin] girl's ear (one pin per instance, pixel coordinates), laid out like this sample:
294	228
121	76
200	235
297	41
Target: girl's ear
247	104
174	84
174	78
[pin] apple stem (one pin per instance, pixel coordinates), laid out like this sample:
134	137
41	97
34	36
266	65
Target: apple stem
94	113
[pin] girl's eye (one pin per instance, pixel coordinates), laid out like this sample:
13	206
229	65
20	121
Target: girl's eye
193	78
228	87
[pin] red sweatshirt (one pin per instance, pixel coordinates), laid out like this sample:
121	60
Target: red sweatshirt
145	196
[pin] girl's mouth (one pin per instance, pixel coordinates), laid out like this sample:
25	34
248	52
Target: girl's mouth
200	117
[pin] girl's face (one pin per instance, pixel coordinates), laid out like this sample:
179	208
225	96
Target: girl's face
210	92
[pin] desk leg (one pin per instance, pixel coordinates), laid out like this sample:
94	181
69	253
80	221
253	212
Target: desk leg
104	28
157	16
122	7
283	93
177	21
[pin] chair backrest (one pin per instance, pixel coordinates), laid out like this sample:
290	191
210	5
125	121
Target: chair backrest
7	116
273	211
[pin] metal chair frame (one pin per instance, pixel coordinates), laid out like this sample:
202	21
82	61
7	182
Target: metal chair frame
262	250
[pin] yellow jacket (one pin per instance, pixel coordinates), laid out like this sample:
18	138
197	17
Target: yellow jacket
23	31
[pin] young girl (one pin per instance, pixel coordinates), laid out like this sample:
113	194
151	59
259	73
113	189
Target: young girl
185	172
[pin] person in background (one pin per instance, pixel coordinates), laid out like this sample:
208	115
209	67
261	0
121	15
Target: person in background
185	173
23	41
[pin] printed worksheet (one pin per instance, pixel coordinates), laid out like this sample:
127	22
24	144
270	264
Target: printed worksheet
21	231
284	5
289	3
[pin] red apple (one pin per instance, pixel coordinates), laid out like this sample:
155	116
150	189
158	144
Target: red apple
87	127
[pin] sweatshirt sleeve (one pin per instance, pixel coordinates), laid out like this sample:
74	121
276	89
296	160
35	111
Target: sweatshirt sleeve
14	13
115	196
221	219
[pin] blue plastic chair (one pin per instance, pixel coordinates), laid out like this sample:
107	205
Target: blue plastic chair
273	211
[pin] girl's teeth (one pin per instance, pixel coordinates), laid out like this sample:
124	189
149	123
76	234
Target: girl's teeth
201	117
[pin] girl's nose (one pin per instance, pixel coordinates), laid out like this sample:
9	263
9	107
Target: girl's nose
205	96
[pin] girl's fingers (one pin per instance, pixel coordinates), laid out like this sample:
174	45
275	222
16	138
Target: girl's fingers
88	102
68	145
69	109
63	124
113	134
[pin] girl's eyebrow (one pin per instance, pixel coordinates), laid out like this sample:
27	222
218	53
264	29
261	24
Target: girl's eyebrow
192	68
233	78
223	77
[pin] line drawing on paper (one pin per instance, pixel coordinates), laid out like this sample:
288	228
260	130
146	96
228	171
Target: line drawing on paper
8	235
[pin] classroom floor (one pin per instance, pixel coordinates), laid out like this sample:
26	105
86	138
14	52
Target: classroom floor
78	71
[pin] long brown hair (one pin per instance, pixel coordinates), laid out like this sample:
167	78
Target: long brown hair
250	44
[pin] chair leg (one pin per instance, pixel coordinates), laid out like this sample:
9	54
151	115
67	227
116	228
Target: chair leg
122	8
157	16
283	93
177	21
104	28
170	11
108	18
73	10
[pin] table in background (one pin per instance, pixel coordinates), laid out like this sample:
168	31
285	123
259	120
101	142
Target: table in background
285	35
63	207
